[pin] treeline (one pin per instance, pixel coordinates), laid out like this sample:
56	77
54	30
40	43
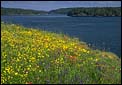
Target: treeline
18	11
79	11
60	11
95	11
91	11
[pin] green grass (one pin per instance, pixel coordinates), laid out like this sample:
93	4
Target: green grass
40	57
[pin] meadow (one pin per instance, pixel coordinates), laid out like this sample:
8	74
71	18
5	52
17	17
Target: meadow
34	56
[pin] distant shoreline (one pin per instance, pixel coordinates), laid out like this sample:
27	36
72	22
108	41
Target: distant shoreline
73	12
94	16
58	15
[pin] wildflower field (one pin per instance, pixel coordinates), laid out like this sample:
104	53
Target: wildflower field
33	56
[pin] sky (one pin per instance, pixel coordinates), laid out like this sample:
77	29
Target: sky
51	5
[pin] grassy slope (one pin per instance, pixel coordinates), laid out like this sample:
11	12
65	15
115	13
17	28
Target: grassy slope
35	56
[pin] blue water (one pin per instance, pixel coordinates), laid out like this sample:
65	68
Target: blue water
101	32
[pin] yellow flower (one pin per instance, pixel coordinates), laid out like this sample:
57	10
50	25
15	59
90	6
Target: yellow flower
111	57
16	73
29	65
65	47
39	53
42	56
8	70
84	50
33	59
91	58
96	59
88	52
2	81
40	71
19	53
28	68
18	60
59	60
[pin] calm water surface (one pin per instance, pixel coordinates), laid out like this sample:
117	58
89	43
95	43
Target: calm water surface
100	32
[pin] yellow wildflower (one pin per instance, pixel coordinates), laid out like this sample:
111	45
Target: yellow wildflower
18	60
88	52
40	71
16	73
84	50
65	47
32	59
96	59
28	68
29	65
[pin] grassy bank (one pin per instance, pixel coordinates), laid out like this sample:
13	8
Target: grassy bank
31	56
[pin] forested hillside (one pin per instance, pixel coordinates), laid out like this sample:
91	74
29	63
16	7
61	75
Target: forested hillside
60	11
78	11
91	11
104	11
16	11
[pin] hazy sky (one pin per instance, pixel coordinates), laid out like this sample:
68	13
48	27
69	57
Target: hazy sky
50	5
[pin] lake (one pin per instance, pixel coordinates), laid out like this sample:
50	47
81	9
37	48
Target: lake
101	32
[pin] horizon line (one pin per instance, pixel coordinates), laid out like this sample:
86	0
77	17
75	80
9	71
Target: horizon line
61	8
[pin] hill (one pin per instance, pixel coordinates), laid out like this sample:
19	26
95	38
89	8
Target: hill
101	11
76	11
60	11
91	11
18	11
33	56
